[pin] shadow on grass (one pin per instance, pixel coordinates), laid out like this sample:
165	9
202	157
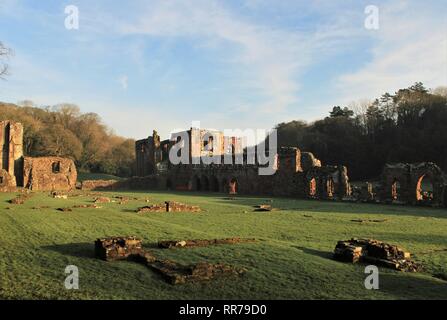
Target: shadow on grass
85	249
79	250
129	210
321	206
318	253
412	286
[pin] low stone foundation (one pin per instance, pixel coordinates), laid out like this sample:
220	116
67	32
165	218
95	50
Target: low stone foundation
169	206
175	273
130	248
200	243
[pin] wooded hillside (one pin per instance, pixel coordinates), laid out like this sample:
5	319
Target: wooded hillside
63	130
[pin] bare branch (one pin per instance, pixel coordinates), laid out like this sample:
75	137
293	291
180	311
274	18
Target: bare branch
5	53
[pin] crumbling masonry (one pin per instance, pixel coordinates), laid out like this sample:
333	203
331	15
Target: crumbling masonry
297	174
39	174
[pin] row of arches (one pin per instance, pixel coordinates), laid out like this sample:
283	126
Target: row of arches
325	187
210	184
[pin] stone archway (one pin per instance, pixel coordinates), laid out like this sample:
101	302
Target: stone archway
214	184
205	183
196	184
169	184
312	187
254	188
424	189
330	187
395	190
233	186
224	184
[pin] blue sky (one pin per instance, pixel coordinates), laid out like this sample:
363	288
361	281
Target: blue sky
144	65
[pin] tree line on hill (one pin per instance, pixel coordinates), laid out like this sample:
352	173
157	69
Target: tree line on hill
408	126
62	130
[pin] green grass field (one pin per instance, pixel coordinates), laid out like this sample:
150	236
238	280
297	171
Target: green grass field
292	258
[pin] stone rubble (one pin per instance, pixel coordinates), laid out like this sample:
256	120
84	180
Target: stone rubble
102	200
375	252
87	206
117	248
59	195
169	206
264	207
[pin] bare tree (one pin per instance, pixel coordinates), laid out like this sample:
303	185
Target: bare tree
4	53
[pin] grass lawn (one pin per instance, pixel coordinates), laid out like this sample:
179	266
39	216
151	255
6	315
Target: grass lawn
290	260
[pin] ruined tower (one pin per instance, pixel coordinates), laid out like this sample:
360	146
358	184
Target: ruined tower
148	154
11	146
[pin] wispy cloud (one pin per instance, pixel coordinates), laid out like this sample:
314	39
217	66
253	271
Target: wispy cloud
271	58
410	46
232	64
124	81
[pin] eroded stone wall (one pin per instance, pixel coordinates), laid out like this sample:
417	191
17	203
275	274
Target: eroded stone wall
417	183
11	148
49	173
7	181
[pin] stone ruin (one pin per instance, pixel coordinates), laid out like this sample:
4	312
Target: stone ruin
130	248
39	174
20	199
421	183
117	248
200	243
375	252
176	273
407	183
7	181
169	206
298	173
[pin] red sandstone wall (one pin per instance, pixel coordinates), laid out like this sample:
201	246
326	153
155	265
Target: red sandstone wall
38	174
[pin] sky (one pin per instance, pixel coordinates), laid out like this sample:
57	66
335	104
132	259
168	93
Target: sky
162	64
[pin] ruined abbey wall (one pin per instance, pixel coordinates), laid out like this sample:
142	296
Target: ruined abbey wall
44	173
49	173
298	174
11	146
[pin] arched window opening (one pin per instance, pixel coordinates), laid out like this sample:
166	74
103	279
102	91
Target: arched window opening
214	184
205	183
330	187
313	187
197	184
233	186
424	189
395	190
